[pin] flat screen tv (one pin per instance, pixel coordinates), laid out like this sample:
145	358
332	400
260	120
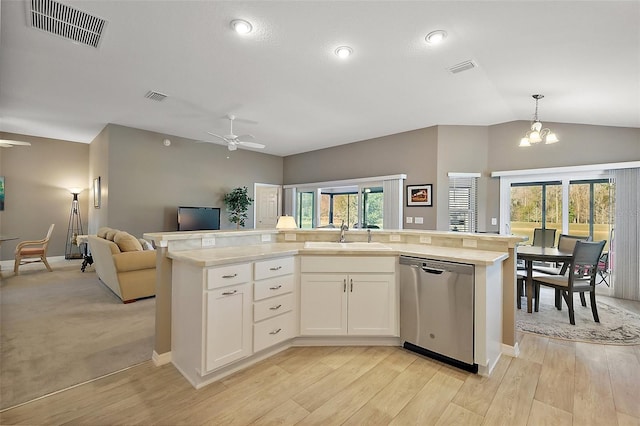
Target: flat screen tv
198	218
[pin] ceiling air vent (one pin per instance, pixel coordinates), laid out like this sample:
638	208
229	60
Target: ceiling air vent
462	66
155	96
66	21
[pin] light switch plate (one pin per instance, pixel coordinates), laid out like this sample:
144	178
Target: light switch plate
289	237
494	221
425	240
419	220
266	238
469	243
208	242
395	238
409	219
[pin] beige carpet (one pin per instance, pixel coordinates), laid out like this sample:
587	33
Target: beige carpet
617	325
63	328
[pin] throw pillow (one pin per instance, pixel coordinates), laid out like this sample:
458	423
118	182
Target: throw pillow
127	242
102	232
111	233
146	245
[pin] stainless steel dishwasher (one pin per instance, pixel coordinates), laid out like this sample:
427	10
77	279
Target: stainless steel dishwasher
436	310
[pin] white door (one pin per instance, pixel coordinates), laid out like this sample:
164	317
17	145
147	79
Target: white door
267	206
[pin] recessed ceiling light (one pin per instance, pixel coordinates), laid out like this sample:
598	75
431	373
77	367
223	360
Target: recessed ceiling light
435	37
241	26
343	52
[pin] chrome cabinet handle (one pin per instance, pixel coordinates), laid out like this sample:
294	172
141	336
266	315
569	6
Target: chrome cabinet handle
230	276
275	331
351	280
276	287
275	308
229	293
344	285
275	268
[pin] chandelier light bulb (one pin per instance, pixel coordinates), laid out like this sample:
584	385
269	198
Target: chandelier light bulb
525	142
551	138
537	133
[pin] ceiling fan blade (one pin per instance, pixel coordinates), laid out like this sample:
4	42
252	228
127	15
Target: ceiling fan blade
218	136
247	136
251	144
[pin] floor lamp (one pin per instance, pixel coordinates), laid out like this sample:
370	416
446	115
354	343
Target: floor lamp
72	249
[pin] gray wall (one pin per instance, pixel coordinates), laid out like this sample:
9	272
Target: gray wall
143	181
37	179
412	153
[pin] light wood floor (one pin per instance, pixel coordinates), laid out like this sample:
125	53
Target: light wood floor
552	382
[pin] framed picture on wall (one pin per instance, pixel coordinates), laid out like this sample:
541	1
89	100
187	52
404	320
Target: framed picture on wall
96	192
419	195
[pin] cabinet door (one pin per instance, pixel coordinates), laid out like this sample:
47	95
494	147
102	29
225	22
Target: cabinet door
228	325
372	304
323	304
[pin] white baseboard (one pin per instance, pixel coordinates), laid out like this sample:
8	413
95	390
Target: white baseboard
161	359
512	351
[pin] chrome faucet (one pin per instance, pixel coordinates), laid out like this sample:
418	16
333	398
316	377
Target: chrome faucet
343	227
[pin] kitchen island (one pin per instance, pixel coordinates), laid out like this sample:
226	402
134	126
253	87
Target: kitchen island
185	264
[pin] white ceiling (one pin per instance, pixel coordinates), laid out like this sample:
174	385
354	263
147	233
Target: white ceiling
584	56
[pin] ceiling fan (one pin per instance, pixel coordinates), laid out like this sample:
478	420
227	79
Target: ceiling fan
4	143
233	141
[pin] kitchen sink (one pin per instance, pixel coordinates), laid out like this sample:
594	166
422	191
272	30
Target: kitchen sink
331	245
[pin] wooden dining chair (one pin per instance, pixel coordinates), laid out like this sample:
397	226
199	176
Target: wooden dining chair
580	276
34	251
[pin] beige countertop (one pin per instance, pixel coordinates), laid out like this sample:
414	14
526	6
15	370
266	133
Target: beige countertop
206	257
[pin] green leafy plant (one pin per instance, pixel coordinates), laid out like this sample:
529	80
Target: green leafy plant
238	202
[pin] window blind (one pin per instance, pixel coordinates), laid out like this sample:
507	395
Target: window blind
463	194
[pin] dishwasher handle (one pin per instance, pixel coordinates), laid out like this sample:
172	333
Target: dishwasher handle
432	270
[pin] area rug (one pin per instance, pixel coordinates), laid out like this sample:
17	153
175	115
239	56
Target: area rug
617	326
65	327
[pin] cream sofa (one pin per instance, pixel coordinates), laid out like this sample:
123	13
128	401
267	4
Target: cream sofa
123	264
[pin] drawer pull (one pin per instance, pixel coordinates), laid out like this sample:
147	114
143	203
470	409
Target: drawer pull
275	331
275	268
229	293
230	276
277	287
275	308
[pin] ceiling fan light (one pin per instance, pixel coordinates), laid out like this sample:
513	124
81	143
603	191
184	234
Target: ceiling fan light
241	26
524	142
551	138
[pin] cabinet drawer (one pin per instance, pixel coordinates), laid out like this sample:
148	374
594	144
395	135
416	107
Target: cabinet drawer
273	268
272	307
274	330
228	275
348	264
273	287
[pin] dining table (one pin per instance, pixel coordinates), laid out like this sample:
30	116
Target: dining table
530	254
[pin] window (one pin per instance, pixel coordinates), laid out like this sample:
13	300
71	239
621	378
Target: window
591	209
536	205
463	210
305	209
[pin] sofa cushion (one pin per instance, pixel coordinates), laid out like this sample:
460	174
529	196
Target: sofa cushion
111	233
135	261
102	232
127	242
146	245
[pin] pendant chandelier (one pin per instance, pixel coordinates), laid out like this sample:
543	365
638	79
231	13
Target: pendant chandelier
537	133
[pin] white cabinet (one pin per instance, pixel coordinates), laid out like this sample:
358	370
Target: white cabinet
227	325
274	302
346	300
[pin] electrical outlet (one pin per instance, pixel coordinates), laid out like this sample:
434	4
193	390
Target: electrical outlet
425	240
266	238
419	220
208	242
395	238
494	221
469	243
289	237
409	219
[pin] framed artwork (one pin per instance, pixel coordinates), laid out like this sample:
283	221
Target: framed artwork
1	193
96	192
419	195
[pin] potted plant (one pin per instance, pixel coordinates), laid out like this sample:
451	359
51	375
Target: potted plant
238	202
